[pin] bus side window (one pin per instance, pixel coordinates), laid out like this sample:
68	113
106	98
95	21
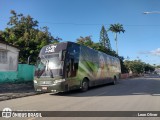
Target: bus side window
69	67
73	58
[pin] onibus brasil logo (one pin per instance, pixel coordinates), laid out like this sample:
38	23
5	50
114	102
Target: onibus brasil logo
7	113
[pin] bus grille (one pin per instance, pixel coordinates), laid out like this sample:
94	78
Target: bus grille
45	82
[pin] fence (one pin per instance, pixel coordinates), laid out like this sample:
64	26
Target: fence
25	73
9	76
129	75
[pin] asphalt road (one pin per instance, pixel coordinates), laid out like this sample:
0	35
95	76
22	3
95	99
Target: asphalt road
138	94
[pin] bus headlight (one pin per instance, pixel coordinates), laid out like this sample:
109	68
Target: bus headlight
58	81
35	81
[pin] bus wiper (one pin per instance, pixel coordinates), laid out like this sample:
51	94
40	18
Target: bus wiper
51	75
38	74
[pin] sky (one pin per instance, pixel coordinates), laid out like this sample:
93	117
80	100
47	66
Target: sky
70	19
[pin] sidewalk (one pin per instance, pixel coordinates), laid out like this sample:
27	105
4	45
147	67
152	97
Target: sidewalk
13	90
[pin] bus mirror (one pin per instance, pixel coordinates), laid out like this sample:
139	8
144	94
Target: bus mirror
38	60
28	61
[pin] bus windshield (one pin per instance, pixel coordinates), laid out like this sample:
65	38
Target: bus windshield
49	65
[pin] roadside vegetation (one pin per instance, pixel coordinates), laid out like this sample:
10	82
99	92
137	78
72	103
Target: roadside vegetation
24	33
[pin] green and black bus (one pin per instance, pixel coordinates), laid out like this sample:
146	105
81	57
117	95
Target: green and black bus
68	66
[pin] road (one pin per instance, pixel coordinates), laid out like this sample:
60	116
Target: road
138	94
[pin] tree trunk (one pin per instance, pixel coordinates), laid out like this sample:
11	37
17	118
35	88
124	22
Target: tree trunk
116	43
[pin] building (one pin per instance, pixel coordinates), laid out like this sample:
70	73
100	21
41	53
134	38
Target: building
157	70
10	70
8	56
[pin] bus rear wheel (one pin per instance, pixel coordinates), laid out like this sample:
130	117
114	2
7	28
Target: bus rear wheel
85	85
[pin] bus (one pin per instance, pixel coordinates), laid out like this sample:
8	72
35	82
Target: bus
68	66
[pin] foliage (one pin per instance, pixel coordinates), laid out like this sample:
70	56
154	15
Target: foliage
87	41
137	66
123	67
158	66
149	68
116	28
23	32
104	40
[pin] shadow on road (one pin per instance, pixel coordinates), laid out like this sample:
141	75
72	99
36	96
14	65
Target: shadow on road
148	85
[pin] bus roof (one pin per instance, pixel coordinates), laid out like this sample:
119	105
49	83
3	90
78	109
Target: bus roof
64	46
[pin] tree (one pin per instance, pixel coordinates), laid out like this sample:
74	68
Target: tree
149	68
86	41
23	32
137	66
116	28
158	66
104	40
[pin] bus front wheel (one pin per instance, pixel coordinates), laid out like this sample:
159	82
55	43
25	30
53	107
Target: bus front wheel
85	85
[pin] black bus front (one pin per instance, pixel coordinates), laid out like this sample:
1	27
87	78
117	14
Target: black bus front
57	67
49	71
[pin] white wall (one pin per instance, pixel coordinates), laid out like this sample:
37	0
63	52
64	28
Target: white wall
157	70
12	58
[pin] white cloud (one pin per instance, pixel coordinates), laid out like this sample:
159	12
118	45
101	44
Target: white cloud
155	52
144	52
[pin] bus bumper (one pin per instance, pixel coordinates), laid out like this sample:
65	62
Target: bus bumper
59	87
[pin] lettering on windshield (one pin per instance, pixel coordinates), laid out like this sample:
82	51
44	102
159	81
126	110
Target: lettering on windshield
50	49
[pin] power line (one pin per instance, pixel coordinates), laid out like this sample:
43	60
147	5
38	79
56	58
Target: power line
91	24
97	24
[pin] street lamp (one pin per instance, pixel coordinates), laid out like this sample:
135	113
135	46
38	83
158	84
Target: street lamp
152	12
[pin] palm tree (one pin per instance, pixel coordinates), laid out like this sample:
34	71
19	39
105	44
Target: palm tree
116	28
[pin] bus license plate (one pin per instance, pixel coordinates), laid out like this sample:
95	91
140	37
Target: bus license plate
44	88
